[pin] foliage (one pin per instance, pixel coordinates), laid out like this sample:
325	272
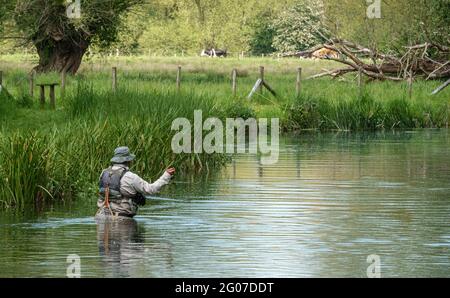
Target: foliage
171	27
263	36
400	24
300	27
99	20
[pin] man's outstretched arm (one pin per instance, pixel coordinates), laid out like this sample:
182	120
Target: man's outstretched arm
145	188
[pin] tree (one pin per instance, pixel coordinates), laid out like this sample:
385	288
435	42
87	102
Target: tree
401	23
6	8
190	25
264	33
135	22
300	26
61	39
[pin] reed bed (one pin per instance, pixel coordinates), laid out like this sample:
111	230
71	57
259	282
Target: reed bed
382	106
64	161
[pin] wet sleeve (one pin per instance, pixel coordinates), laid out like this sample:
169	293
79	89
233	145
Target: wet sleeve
145	188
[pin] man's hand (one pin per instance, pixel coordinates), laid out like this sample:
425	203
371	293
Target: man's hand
171	171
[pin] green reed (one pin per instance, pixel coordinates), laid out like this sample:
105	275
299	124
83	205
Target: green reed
63	161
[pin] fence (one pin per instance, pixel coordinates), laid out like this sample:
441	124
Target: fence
261	83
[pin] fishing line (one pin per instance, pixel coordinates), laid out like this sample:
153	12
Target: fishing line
162	199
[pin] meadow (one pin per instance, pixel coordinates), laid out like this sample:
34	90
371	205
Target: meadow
55	155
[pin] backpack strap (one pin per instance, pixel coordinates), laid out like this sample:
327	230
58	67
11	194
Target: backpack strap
123	174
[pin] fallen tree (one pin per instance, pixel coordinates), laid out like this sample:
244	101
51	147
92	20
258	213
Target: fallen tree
428	60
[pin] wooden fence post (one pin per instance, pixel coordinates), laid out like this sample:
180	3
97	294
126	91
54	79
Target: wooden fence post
234	81
114	79
52	97
63	84
298	86
42	95
360	83
179	78
410	85
31	83
261	76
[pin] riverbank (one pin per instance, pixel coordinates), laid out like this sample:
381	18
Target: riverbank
57	155
62	150
323	104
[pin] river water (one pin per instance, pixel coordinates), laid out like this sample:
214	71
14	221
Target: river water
332	200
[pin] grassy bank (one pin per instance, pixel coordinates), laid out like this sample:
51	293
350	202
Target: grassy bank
54	155
383	105
323	104
42	160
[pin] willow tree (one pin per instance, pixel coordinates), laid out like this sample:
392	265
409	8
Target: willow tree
63	30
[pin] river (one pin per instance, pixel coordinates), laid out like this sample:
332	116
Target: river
332	200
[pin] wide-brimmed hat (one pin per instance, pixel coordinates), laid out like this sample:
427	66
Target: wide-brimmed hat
122	154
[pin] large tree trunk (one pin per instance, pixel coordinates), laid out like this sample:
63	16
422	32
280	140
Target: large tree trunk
60	55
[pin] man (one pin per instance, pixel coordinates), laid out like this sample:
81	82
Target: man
121	191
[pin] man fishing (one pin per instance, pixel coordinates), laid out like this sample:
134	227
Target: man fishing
121	191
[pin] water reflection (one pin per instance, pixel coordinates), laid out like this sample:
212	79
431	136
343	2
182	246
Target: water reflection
120	243
127	250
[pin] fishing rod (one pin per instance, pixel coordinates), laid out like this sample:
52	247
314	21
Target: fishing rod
152	198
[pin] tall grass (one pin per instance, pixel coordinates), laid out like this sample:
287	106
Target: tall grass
27	161
382	106
65	161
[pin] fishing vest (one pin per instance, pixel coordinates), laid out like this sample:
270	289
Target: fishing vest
111	178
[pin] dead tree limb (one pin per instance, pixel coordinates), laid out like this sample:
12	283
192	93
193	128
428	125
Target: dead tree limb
428	60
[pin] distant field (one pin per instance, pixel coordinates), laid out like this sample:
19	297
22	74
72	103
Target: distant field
190	64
